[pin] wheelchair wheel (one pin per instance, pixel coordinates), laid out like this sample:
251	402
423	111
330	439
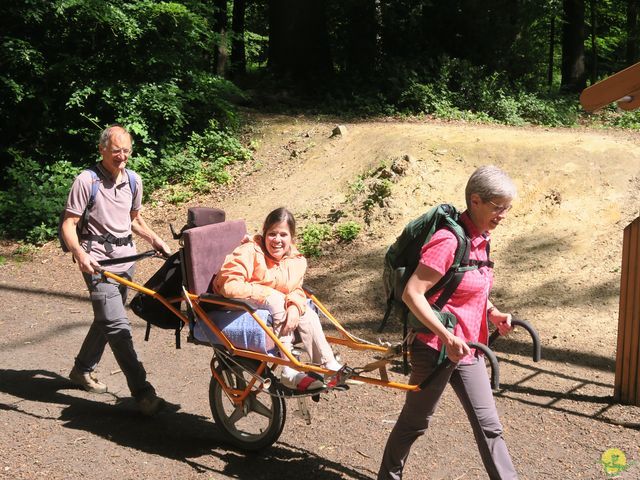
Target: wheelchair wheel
253	424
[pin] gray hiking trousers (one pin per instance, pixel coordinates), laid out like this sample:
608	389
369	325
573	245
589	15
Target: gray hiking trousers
471	384
111	325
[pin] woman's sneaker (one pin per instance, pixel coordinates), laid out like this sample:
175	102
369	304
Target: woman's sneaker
87	381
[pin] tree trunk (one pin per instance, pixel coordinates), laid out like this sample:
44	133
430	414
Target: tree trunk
594	50
361	46
298	40
552	44
238	52
221	52
633	38
573	67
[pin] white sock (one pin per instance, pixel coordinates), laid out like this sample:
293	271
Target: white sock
333	365
288	372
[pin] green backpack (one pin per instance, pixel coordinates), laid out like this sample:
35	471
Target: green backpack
402	259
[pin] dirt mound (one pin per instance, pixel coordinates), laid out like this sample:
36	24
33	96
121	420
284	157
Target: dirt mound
557	264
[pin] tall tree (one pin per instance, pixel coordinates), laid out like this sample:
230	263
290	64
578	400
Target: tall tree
573	65
299	40
361	37
633	37
552	47
238	51
221	28
593	6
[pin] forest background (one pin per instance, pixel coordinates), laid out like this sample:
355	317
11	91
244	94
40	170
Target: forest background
182	77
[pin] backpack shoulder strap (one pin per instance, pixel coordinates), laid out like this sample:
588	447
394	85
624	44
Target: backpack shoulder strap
452	278
95	185
132	183
84	219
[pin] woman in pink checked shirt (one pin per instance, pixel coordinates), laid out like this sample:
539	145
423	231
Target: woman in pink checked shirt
488	194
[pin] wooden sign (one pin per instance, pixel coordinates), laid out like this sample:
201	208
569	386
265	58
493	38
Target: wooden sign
622	87
627	380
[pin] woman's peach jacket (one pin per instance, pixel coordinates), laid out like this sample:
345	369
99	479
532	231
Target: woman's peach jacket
248	273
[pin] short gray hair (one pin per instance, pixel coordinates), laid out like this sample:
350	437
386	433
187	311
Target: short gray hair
105	136
490	182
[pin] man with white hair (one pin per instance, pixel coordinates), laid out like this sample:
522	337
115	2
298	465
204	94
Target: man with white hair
107	234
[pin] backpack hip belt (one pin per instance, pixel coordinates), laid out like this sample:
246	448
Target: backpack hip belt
108	240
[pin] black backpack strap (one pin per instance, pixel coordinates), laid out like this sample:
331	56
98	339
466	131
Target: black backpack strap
461	264
109	240
405	344
481	263
387	314
147	331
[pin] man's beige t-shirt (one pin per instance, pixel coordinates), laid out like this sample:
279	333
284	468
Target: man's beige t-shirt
110	212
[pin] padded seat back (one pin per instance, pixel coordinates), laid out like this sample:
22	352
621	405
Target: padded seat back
204	250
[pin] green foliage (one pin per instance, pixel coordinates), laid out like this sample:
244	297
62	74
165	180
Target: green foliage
356	187
30	208
426	98
348	231
72	67
628	120
24	251
179	195
378	192
311	238
463	91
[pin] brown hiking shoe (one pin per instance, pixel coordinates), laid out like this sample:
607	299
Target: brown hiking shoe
87	381
150	404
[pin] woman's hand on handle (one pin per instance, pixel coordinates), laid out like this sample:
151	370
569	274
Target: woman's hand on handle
457	348
502	321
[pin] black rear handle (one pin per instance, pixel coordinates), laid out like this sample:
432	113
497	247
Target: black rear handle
449	365
535	338
130	258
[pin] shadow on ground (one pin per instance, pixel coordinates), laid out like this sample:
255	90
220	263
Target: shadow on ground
175	435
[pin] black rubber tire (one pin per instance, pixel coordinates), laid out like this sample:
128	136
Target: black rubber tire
257	424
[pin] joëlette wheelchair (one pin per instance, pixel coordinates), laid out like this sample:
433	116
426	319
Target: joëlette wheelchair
246	398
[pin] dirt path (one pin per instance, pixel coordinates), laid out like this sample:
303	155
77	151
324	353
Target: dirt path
558	265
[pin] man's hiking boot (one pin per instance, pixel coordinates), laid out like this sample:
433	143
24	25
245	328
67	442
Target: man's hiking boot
87	381
150	404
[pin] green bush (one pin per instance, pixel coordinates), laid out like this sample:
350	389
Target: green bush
149	70
348	231
31	207
459	90
425	98
628	120
311	238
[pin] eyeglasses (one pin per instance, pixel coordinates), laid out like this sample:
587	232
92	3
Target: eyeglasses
118	151
497	209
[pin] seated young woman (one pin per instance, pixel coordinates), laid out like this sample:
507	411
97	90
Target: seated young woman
268	271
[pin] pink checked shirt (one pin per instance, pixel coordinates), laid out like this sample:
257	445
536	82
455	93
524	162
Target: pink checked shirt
469	302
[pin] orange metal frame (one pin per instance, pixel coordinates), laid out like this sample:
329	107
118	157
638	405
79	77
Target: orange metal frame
237	396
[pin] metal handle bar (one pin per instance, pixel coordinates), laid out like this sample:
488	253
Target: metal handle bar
448	364
130	258
537	348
